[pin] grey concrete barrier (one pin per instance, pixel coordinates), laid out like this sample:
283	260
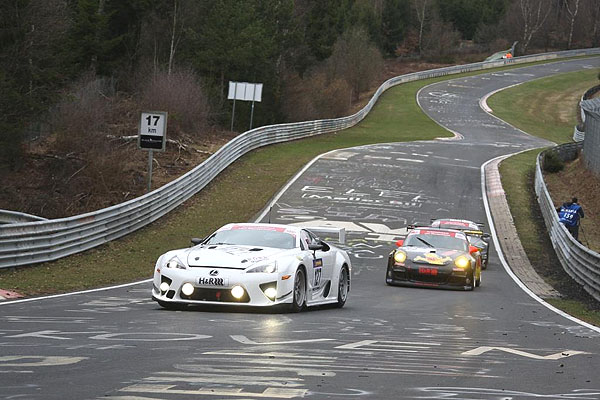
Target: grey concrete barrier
581	263
578	136
40	241
591	144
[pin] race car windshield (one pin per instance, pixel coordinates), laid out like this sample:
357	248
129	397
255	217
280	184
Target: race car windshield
477	241
250	237
437	241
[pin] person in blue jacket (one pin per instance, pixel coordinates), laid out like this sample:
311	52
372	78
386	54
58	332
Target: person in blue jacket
569	215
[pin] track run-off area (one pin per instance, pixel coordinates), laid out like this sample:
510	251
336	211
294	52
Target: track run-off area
497	342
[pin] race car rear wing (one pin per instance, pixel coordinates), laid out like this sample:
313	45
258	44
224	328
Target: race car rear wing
479	224
418	225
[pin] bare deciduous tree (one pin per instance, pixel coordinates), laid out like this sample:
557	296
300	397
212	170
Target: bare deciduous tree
356	60
572	10
592	12
176	31
47	21
441	38
421	8
533	14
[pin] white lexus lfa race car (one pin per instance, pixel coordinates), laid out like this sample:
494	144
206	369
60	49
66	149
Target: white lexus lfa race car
252	264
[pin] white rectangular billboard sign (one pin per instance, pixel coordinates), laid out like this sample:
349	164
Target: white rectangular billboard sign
245	91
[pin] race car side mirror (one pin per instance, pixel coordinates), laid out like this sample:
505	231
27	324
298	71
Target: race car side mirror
486	237
315	246
399	243
473	249
197	241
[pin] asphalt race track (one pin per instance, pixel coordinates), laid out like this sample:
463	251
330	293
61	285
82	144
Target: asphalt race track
387	343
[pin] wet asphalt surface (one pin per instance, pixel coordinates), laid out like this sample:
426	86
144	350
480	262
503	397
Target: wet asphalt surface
387	342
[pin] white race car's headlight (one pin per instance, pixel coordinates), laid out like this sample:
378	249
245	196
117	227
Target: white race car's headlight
175	263
268	268
271	293
187	289
238	292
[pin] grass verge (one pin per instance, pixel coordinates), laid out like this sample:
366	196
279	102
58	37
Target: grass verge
544	108
237	194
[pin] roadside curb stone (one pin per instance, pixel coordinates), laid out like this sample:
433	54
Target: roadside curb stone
509	240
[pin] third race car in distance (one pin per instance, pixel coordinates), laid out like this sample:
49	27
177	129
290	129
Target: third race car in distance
434	257
473	231
254	265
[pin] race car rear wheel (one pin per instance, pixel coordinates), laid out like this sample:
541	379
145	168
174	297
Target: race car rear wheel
343	286
299	298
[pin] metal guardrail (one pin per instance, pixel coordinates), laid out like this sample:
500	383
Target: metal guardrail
35	242
14	217
581	263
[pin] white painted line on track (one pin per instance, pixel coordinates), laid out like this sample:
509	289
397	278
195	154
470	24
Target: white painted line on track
54	296
457	136
409	159
483	101
503	260
290	183
314	160
378	157
485	107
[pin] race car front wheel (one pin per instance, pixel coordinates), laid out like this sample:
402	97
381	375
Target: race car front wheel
299	291
343	287
470	281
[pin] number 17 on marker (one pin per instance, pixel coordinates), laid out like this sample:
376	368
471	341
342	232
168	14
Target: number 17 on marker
152	124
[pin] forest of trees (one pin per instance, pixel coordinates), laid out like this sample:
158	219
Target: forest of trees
78	70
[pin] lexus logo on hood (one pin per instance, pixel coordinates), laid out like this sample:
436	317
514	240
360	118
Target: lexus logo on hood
213	272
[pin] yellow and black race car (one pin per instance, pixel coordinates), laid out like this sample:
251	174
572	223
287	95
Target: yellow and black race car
434	257
476	236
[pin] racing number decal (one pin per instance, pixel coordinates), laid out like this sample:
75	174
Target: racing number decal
318	269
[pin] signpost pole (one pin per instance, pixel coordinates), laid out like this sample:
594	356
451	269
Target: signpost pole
232	115
253	97
233	112
252	114
243	93
150	157
153	129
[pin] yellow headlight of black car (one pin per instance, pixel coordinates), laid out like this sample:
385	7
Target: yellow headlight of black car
400	256
462	262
